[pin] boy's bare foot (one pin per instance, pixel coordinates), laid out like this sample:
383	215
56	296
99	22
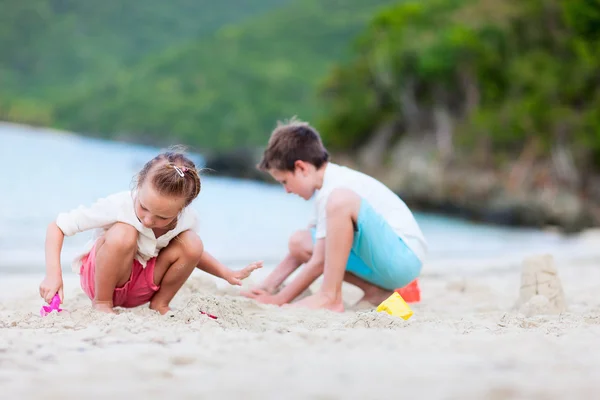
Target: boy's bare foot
104	307
376	296
161	308
319	300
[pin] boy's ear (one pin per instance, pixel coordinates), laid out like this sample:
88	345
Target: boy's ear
301	166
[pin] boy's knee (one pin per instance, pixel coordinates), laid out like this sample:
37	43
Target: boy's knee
193	247
341	200
121	237
300	244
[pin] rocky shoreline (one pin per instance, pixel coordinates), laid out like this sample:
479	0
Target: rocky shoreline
492	203
475	194
529	197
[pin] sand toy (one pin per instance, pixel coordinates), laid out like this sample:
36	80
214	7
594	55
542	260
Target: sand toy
395	306
54	306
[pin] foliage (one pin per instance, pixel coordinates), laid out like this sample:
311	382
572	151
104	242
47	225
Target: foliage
508	72
220	87
50	46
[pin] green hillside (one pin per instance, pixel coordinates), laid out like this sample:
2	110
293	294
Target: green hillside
58	44
228	89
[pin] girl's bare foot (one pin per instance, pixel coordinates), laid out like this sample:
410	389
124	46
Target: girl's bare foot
320	300
105	307
161	308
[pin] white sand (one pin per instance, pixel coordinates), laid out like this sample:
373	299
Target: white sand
465	341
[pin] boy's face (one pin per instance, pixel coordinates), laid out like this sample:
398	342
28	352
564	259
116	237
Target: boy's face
300	182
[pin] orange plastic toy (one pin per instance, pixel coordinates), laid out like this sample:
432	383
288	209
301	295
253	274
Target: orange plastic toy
411	292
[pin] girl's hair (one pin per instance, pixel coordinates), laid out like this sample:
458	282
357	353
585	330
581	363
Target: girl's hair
172	173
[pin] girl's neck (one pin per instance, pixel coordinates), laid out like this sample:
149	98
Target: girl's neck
158	232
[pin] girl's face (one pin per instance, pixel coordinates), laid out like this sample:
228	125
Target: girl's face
154	210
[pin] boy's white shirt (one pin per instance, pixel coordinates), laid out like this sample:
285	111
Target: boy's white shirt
380	197
119	207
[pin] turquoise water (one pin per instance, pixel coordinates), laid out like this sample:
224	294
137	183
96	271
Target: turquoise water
44	173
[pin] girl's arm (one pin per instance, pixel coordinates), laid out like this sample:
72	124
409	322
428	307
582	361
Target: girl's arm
212	266
102	213
54	243
53	283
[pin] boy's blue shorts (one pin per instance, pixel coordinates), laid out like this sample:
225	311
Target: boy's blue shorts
378	254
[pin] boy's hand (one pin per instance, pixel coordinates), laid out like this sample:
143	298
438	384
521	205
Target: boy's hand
263	296
51	285
255	292
236	277
266	298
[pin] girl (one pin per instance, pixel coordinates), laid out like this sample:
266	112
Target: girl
145	246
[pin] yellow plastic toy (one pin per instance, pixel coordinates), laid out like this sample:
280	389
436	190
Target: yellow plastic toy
396	306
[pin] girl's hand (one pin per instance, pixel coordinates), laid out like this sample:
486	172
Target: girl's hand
51	285
236	277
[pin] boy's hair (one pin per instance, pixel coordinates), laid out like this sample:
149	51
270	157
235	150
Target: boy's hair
291	141
172	173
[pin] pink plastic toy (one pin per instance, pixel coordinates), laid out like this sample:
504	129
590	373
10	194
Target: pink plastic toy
208	315
54	305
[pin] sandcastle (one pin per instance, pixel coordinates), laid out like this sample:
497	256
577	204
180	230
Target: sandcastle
541	290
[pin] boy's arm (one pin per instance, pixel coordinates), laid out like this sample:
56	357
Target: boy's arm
211	265
311	271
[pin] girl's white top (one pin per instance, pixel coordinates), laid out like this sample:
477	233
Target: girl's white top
119	207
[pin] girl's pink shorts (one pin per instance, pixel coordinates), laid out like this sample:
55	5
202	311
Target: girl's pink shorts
138	290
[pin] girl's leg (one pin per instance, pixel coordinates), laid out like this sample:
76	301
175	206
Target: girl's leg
174	265
113	262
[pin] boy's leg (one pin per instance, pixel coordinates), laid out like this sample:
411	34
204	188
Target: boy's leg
372	256
380	260
300	248
342	210
372	293
114	253
174	265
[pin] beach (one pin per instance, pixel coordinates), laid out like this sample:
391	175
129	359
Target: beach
461	116
466	340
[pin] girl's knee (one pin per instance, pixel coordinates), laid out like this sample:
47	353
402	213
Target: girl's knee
121	237
300	244
191	244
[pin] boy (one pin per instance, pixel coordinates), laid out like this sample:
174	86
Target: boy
361	231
